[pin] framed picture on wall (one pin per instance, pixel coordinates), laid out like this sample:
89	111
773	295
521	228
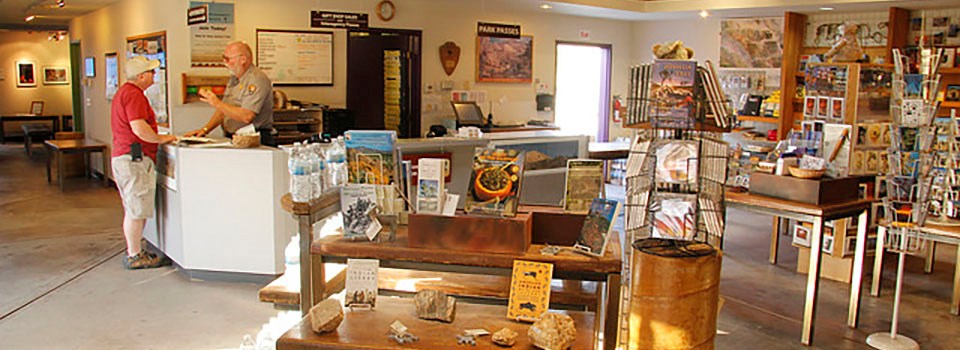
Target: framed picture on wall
26	74
36	107
505	60
89	67
111	74
55	76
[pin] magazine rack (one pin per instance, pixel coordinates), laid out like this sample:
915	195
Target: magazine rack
676	168
910	179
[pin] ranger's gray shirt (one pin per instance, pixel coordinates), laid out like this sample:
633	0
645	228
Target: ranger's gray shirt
253	91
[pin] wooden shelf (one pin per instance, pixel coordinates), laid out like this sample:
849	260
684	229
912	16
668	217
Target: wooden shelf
950	104
697	126
751	118
954	70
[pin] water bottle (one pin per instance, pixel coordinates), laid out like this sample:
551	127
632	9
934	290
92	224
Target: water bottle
316	176
337	162
300	187
248	343
265	339
292	262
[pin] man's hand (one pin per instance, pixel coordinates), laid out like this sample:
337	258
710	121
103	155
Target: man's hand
198	132
167	139
209	97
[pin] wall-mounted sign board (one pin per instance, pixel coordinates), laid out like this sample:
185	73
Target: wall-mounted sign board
291	57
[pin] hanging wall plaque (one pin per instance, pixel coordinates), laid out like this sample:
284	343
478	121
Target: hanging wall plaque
449	56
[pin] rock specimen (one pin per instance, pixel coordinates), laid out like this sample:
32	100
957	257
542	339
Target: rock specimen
552	332
435	305
505	337
326	316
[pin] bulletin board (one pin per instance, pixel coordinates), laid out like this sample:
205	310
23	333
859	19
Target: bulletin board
290	57
153	46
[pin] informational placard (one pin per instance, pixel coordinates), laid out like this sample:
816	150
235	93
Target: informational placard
327	19
111	76
296	57
153	46
211	29
498	30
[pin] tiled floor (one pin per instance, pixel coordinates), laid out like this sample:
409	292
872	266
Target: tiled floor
62	286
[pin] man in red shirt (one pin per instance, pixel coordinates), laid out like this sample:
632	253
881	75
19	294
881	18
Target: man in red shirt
135	140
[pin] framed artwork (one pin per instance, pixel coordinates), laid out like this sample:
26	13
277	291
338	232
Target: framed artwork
751	43
26	74
36	107
111	74
55	76
801	235
505	60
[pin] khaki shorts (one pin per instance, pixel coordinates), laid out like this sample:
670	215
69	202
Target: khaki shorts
137	182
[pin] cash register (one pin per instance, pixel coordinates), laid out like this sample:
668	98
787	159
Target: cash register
468	114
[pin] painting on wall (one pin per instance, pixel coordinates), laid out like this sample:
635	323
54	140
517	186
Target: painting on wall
505	60
55	76
751	43
26	75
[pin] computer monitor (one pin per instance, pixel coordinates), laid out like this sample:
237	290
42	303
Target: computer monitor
468	113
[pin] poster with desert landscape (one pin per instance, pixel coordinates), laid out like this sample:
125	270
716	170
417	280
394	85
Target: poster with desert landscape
751	43
505	60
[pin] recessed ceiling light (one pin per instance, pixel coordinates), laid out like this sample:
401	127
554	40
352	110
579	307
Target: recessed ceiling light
704	14
827	8
546	6
29	18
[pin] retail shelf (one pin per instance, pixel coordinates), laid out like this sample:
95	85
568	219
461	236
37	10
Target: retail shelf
750	118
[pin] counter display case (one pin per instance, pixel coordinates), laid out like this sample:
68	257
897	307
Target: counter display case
545	165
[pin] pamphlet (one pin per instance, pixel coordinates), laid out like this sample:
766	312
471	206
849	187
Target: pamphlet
359	204
430	185
597	226
370	156
529	290
584	183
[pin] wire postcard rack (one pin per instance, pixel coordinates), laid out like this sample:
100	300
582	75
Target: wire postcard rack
677	165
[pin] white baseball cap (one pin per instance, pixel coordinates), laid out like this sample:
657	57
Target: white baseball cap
140	64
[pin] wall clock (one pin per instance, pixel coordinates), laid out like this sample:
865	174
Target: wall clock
386	10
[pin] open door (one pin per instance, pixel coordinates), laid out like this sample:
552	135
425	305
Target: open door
383	80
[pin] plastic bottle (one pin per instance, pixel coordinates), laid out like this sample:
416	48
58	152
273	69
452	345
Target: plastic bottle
300	187
265	339
316	175
337	162
292	261
248	343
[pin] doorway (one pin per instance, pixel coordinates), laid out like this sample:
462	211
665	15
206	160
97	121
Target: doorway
76	66
383	80
583	89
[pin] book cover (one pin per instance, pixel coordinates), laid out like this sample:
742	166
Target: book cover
430	185
677	162
674	220
913	86
584	183
370	156
494	187
597	226
361	282
529	290
672	93
358	203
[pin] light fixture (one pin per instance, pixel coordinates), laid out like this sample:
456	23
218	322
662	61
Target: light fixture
546	6
827	8
29	18
704	14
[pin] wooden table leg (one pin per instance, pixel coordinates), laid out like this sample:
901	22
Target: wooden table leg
305	230
878	262
49	159
853	314
775	240
955	301
2	139
60	170
813	282
931	256
611	312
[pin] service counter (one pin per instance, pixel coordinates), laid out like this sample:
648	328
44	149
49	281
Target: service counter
218	209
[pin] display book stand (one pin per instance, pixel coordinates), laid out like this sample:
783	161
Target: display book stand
910	179
677	165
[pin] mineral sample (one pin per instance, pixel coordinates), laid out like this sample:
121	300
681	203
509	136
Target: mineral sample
326	316
435	305
505	337
552	332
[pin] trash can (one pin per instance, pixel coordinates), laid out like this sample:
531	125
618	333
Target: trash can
674	294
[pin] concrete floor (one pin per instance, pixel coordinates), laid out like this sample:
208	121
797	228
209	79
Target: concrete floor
63	285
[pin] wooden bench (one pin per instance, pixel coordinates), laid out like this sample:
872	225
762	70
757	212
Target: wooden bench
32	130
368	329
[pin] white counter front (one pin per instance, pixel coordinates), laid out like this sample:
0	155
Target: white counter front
218	209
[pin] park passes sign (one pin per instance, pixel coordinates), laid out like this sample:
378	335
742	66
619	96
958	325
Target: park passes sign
498	30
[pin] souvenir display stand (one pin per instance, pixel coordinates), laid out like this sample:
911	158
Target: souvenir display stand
910	179
675	213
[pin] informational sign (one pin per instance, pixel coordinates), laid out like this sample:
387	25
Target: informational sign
153	46
211	29
327	19
498	30
296	57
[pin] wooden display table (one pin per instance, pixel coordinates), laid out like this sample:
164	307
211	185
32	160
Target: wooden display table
934	233
366	329
82	146
55	119
818	214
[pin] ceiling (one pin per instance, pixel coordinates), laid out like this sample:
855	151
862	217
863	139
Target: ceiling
51	17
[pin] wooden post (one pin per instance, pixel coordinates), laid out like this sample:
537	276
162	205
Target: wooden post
897	28
794	25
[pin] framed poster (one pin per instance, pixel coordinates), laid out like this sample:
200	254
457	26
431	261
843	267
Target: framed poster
111	74
26	74
292	57
505	60
751	43
153	46
36	107
89	67
55	76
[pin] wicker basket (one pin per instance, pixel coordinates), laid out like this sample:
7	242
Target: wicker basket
246	141
806	173
766	167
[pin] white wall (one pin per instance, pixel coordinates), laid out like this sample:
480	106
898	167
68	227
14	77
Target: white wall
105	30
702	35
32	46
